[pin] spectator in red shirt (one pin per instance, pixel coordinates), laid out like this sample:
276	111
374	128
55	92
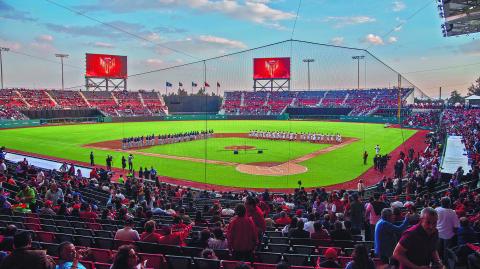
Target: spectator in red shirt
256	214
149	235
284	219
174	238
242	235
87	213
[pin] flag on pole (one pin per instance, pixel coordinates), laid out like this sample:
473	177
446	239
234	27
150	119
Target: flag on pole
218	84
168	84
206	84
194	84
180	84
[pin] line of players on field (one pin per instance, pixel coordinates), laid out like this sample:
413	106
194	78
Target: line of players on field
310	137
149	140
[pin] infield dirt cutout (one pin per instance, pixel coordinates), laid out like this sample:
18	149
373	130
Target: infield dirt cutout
291	167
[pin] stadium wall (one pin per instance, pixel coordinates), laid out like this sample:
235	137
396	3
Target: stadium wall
192	104
18	123
62	114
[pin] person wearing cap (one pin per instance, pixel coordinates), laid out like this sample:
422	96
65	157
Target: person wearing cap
127	233
331	259
47	209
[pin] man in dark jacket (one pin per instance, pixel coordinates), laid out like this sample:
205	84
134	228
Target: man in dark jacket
22	257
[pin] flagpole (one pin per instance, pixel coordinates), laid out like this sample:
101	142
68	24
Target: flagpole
217	88
166	89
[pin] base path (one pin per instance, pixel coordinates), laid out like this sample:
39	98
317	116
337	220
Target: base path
291	167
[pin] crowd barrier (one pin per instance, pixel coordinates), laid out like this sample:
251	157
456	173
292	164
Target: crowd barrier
18	123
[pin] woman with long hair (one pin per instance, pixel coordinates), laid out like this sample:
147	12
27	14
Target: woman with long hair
126	258
360	259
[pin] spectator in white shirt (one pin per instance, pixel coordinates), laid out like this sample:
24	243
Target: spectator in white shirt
127	233
447	225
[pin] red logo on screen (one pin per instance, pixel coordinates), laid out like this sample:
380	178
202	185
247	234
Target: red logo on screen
106	66
271	68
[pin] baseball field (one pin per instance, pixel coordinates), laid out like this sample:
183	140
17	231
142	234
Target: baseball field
212	161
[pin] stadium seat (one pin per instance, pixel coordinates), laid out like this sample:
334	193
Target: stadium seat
46	237
296	259
101	255
178	262
226	264
192	251
146	247
301	249
257	265
155	261
278	248
105	243
84	241
268	257
99	265
201	263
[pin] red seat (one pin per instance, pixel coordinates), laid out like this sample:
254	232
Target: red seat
230	264
100	265
101	255
88	264
46	237
94	226
33	226
258	265
156	261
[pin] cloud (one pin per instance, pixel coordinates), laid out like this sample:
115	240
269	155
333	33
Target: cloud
471	48
337	40
44	38
100	30
101	45
154	63
392	39
10	44
373	39
347	21
169	30
222	41
205	45
256	11
398	6
9	12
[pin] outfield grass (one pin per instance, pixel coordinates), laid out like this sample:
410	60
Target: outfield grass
334	167
273	151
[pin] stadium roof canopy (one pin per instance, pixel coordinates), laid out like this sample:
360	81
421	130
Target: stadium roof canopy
461	16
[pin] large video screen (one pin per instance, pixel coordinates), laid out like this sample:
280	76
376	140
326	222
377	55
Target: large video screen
106	66
271	68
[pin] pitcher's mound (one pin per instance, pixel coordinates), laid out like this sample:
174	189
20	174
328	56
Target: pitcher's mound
283	169
240	147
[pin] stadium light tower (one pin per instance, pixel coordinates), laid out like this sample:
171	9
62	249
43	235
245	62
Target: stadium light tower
308	61
1	62
358	58
61	56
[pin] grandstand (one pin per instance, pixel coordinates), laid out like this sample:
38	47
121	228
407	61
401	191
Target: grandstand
118	104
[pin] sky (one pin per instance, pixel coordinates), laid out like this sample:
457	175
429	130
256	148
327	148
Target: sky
155	34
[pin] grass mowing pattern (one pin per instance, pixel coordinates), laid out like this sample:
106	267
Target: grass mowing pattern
334	167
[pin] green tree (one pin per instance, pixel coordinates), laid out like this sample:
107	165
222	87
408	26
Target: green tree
475	88
201	91
456	97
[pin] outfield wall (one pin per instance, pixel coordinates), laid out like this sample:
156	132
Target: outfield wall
18	123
